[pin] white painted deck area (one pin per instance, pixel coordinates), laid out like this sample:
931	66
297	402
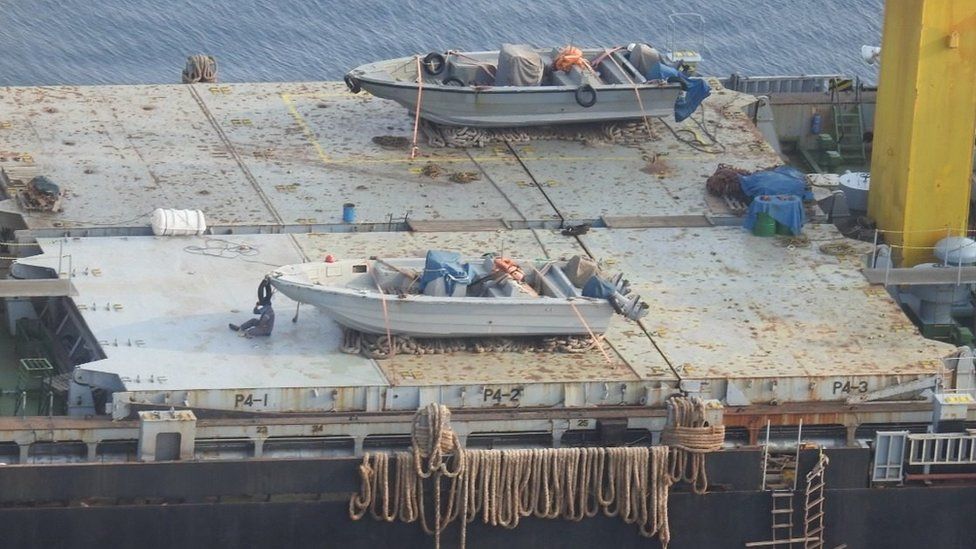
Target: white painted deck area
284	157
160	313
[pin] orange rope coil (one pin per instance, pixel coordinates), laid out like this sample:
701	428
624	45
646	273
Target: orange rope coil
509	267
570	57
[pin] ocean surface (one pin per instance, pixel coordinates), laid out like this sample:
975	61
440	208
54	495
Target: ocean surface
46	42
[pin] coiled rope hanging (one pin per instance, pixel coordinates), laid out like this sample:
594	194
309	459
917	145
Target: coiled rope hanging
504	486
434	443
200	68
690	437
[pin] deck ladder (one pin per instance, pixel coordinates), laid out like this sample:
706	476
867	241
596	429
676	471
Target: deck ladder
849	127
813	512
782	519
782	488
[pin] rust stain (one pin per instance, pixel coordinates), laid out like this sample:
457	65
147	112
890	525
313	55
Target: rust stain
657	166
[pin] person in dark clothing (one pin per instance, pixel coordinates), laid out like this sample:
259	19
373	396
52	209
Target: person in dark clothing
260	326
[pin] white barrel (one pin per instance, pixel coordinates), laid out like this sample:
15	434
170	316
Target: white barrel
178	222
856	186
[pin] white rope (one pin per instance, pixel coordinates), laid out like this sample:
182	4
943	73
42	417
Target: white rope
200	68
690	438
504	486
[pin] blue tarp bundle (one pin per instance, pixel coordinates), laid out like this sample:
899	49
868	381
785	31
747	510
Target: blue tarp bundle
599	288
696	89
786	209
446	265
781	180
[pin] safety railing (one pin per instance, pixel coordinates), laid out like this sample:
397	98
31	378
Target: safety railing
686	34
942	449
889	274
765	85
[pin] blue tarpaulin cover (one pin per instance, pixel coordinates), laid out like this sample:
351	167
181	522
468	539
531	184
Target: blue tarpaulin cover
785	208
446	265
696	89
781	180
598	287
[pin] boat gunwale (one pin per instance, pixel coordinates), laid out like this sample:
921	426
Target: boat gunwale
363	75
541	300
366	293
474	90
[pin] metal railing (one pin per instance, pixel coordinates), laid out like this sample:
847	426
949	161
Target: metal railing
889	267
942	449
764	85
692	40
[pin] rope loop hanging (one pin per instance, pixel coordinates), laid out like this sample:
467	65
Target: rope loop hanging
690	437
501	487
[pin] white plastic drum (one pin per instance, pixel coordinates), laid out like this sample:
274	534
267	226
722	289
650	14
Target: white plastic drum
178	222
856	186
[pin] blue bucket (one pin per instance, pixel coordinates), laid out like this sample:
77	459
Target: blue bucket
348	212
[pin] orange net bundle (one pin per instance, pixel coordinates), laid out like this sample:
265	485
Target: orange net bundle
570	57
508	267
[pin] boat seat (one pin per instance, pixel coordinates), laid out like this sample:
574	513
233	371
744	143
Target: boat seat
615	73
502	289
550	289
469	72
562	282
573	78
624	62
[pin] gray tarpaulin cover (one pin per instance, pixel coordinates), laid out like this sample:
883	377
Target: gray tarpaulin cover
644	58
518	65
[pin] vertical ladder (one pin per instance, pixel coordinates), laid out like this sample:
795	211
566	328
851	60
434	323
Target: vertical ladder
849	127
779	477
782	518
813	514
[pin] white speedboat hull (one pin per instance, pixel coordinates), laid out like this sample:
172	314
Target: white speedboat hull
417	315
514	106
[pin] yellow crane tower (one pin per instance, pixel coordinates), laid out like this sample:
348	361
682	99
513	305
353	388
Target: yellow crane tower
924	124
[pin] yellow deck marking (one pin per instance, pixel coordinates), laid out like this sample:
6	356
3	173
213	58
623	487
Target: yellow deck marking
309	134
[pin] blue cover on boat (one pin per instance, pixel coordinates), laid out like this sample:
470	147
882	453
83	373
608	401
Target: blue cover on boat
599	288
446	265
696	89
786	209
781	180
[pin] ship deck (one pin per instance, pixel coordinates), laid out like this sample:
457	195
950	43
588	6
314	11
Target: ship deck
733	316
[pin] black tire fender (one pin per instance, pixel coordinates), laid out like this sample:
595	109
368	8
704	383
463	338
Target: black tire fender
586	96
352	83
453	81
434	63
264	292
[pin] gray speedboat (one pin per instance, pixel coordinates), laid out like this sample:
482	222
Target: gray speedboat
522	86
441	296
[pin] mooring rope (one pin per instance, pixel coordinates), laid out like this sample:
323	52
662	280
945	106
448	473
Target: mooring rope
378	346
501	487
504	486
200	68
690	437
414	149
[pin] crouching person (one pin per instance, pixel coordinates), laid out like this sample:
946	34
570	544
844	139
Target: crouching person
262	325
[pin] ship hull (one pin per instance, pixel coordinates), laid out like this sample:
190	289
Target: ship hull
302	503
